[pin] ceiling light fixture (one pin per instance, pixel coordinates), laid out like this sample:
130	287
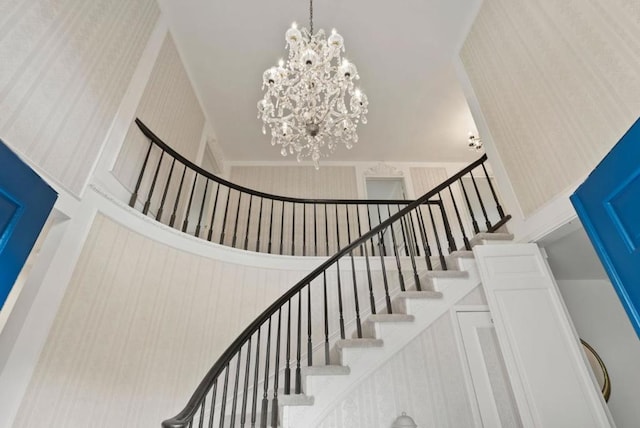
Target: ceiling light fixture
311	104
475	143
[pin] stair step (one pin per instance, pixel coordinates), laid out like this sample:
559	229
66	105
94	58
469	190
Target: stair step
413	294
444	274
329	370
462	254
371	326
295	400
316	376
359	343
390	318
429	278
345	350
400	304
485	238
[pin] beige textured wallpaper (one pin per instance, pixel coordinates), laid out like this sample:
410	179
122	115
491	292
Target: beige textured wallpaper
330	182
425	179
170	108
139	326
558	84
64	68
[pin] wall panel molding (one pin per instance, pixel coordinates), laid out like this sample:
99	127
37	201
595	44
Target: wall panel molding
139	325
170	108
65	67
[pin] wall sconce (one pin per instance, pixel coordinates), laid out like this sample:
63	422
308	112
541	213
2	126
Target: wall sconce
404	421
475	143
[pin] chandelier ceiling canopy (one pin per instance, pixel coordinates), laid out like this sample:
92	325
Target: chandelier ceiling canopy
311	104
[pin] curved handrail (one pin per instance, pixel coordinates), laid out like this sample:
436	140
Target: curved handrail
403	216
199	201
164	146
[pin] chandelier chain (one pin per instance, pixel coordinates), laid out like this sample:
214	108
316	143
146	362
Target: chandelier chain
311	16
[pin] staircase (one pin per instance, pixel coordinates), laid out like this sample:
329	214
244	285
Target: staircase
353	359
384	335
350	314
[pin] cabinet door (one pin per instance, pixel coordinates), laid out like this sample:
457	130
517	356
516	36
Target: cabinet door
488	373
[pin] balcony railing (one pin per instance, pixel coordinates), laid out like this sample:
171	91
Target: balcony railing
181	194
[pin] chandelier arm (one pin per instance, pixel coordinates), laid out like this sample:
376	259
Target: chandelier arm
310	105
332	100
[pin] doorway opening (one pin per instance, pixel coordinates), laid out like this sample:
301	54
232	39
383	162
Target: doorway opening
385	188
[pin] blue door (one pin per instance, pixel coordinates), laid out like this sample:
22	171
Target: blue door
25	203
608	204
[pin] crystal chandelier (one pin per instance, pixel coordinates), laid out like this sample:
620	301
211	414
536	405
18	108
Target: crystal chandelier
311	104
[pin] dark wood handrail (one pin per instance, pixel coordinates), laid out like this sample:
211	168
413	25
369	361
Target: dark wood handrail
166	148
194	404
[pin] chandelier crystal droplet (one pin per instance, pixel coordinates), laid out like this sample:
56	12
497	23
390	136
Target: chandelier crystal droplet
311	104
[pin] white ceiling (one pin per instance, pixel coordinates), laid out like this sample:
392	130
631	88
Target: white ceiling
403	51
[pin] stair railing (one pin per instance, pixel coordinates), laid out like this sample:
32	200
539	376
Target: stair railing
181	194
265	362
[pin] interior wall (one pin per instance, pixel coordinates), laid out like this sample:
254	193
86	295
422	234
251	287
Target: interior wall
557	83
170	108
425	179
425	380
328	182
599	319
139	325
65	68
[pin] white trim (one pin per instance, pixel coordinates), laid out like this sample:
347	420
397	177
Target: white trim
519	287
125	115
201	146
36	308
216	151
146	226
362	164
383	169
470	308
499	170
556	213
468	382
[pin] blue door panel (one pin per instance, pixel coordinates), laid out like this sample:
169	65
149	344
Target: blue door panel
25	203
608	204
622	208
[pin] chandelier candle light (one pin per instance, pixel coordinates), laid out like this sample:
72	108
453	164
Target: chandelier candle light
311	104
474	142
